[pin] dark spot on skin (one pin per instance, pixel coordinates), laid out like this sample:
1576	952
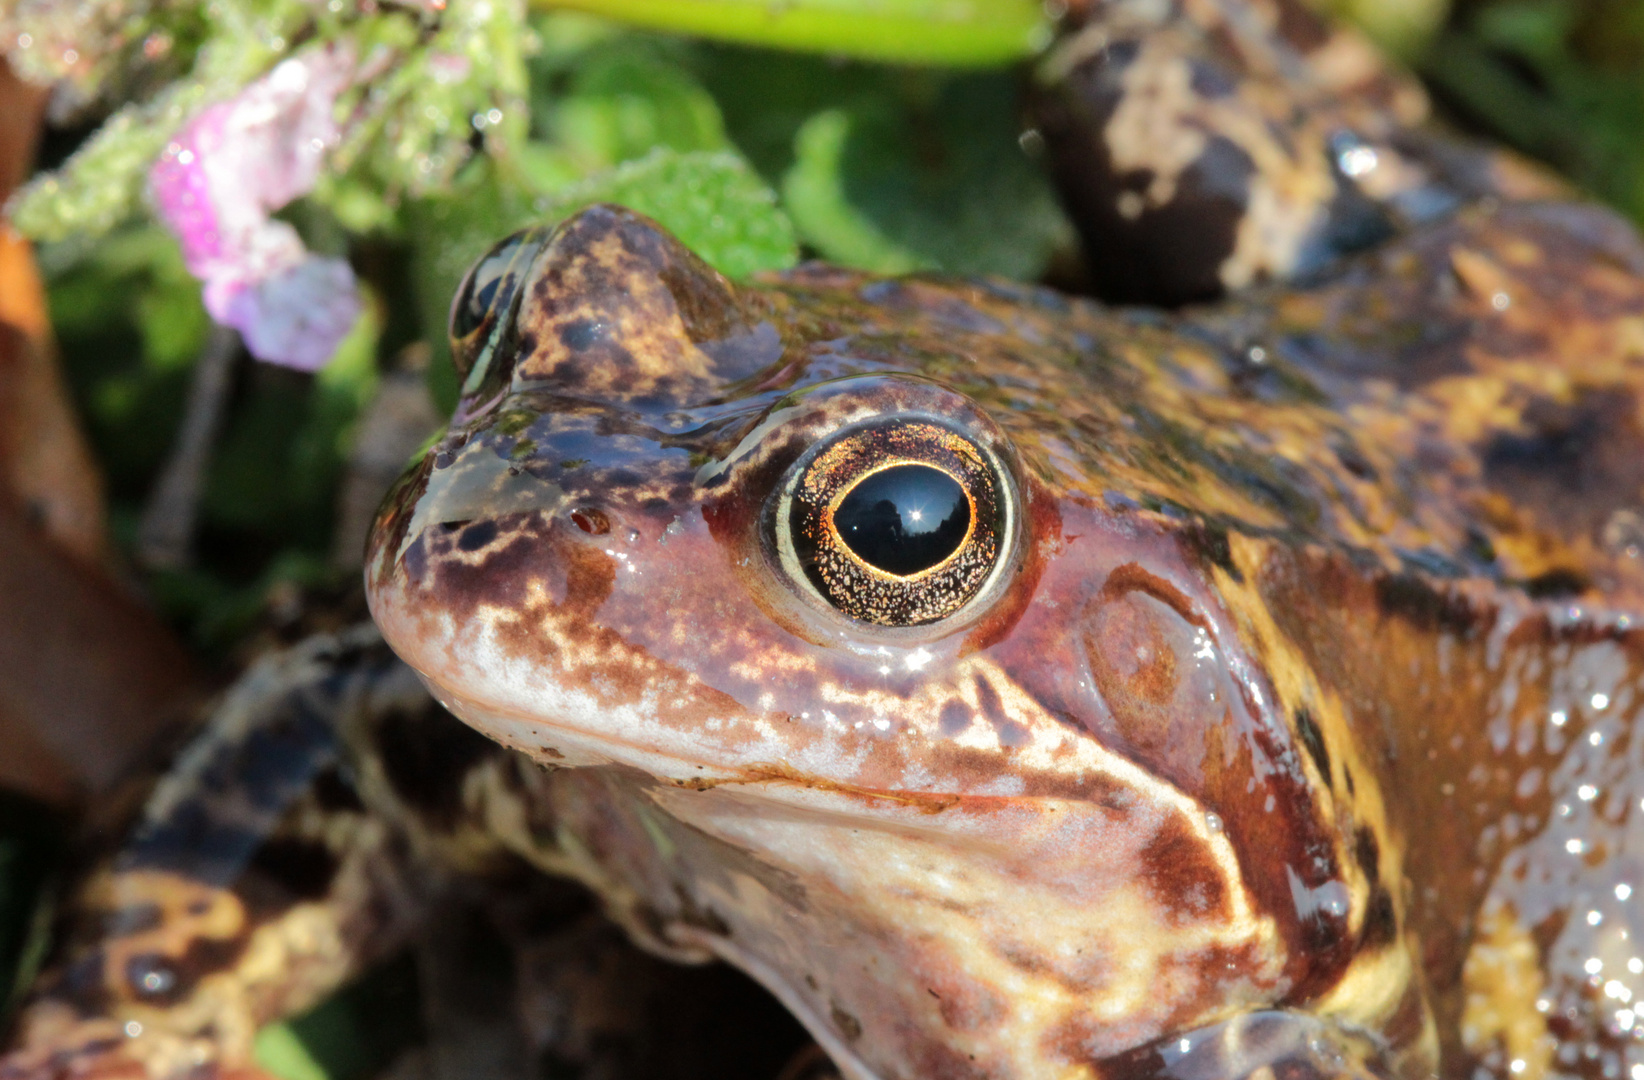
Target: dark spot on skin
167	979
133	919
849	1026
1557	583
1209	543
336	795
477	536
1380	922
582	333
301	868
1210	80
1182	876
1569	464
590	521
1411	598
1011	734
1301	26
1313	739
1354	461
955	718
1367	851
426	755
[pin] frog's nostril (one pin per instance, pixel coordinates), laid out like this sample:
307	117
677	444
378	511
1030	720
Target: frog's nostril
590	520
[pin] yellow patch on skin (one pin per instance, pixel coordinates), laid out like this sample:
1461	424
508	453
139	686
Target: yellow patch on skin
1502	977
1372	987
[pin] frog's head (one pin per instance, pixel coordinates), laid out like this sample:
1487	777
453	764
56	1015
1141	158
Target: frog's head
788	555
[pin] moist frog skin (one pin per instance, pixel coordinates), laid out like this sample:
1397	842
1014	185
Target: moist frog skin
1016	686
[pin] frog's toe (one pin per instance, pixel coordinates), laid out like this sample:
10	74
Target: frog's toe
1265	1045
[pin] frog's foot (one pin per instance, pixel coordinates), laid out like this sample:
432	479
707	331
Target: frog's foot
57	1044
1268	1045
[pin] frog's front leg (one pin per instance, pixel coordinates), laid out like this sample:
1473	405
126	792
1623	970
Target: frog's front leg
254	882
1203	148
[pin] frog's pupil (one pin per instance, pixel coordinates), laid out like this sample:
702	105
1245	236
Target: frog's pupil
904	519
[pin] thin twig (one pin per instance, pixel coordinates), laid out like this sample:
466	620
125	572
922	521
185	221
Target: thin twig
165	536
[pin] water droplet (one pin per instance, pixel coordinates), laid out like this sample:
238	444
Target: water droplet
1213	821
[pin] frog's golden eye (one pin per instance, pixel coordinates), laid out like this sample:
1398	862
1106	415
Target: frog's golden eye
898	524
485	298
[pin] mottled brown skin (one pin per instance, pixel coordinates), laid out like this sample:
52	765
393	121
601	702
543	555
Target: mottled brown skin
1290	737
1387	506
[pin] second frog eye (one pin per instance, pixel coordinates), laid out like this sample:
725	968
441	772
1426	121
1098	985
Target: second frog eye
899	523
486	296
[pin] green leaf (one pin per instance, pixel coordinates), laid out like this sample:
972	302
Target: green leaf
934	181
960	32
624	101
278	1050
714	203
814	191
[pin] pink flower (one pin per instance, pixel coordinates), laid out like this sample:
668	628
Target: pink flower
223	175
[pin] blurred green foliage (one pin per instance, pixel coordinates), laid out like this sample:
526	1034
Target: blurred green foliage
1561	80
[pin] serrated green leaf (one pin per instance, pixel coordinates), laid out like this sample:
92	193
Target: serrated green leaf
713	202
961	32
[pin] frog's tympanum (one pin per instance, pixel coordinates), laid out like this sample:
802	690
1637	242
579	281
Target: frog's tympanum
1017	687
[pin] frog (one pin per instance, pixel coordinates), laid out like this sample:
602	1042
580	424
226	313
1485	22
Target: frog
1015	684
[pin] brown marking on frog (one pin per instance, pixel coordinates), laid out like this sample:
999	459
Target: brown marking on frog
618	312
1184	880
